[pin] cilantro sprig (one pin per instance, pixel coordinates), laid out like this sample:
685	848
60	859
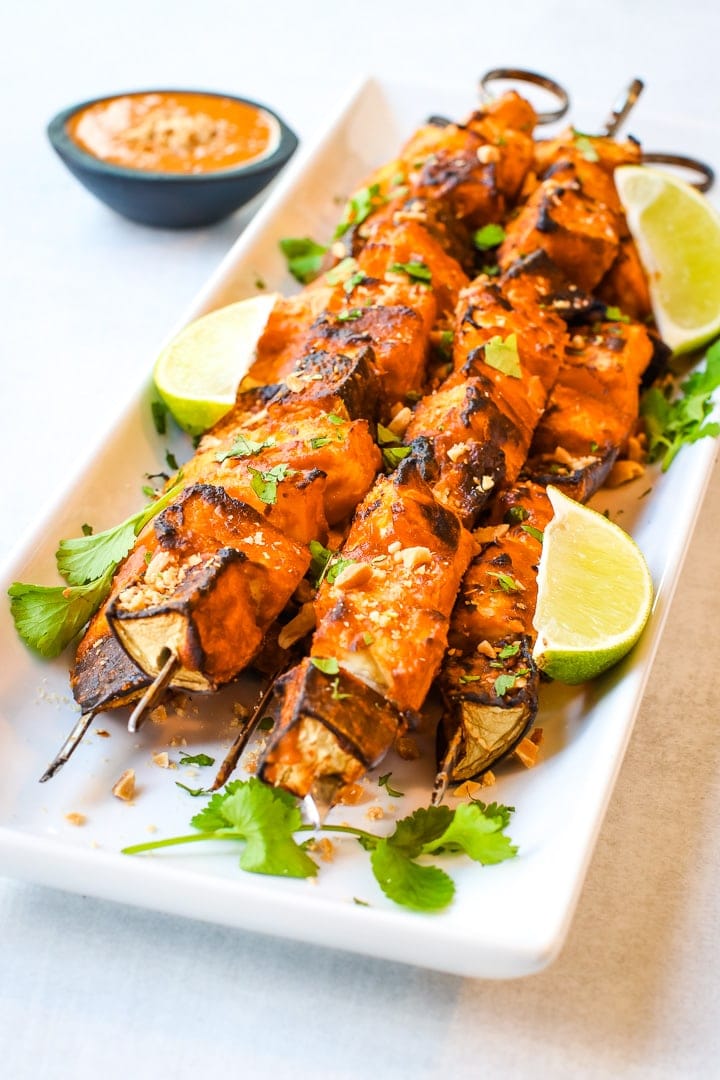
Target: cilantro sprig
672	423
47	617
266	820
304	257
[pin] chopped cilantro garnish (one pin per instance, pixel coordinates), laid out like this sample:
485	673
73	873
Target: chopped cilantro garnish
492	270
244	447
416	271
506	582
489	236
515	515
342	271
384	781
319	441
585	146
304	257
196	759
336	692
350	315
87	530
325	563
503	683
352	281
393	455
509	650
503	355
159	415
368	638
614	314
327	664
265	484
468	678
335	419
194	791
671	423
359	208
385	435
532	531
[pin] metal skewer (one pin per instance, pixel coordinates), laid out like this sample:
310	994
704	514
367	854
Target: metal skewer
622	108
534	78
447	764
153	693
233	755
69	747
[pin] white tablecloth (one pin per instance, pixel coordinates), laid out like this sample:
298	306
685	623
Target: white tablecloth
90	988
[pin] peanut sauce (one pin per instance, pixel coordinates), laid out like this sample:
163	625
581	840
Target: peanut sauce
174	132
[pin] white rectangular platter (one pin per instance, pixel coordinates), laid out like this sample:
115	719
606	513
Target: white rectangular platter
505	921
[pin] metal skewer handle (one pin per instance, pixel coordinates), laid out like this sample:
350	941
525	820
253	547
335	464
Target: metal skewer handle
504	74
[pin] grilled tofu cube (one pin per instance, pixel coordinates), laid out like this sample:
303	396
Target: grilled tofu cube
219	577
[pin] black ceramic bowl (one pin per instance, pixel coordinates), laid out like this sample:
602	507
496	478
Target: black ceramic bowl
170	200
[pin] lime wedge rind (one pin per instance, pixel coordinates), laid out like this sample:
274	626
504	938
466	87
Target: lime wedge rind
197	374
580	634
677	233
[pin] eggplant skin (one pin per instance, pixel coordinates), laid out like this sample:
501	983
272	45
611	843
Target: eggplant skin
104	676
492	725
331	729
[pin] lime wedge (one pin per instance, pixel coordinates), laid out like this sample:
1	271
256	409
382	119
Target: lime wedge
594	593
198	373
677	232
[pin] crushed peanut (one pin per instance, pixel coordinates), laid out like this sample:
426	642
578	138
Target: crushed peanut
467	790
399	423
298	627
415	556
527	752
490	533
161	759
375	813
353	576
394	547
623	472
457	451
124	787
102	733
75	819
351	795
486	649
407	748
487	154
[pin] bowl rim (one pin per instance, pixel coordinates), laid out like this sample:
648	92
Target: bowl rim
61	141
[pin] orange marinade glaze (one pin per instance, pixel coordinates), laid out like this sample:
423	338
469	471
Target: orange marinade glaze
174	132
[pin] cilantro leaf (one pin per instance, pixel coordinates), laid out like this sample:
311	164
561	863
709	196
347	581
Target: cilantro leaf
585	146
385	435
352	281
506	582
416	271
423	888
266	819
509	650
212	817
325	563
304	257
342	271
488	237
319	441
159	412
350	315
532	531
673	423
86	558
265	484
463	679
384	781
614	314
196	759
503	683
420	828
327	664
359	208
393	455
47	618
503	355
194	791
476	832
244	447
